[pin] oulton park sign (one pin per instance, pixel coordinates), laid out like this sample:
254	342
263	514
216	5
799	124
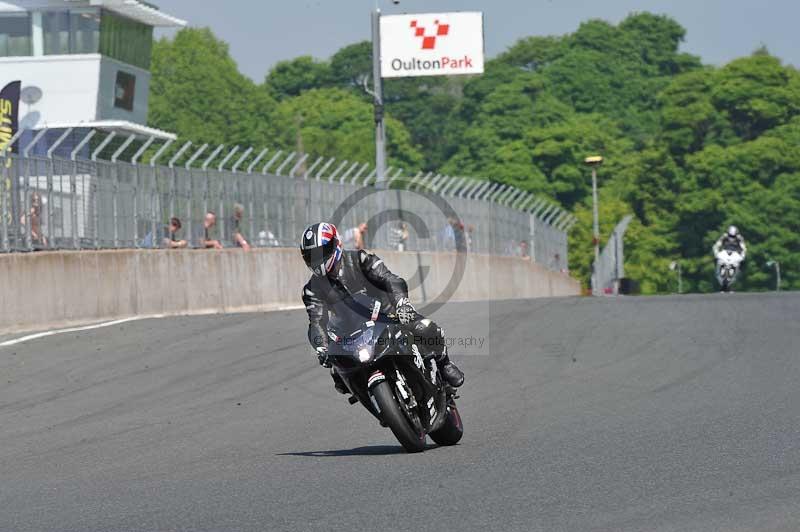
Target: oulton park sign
431	44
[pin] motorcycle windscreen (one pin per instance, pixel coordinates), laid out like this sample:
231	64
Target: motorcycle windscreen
356	323
365	345
358	340
351	313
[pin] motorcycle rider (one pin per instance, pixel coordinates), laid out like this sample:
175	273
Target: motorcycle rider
732	240
339	273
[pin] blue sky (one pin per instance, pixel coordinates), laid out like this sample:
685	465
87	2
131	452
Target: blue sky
263	32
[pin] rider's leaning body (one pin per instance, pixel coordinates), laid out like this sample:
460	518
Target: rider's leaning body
338	272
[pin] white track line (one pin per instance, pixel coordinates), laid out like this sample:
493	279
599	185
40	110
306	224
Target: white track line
44	334
30	337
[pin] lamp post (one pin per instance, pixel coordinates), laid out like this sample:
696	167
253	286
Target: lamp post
676	267
593	162
377	95
777	265
380	127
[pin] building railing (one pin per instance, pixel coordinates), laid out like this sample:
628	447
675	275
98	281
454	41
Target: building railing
52	200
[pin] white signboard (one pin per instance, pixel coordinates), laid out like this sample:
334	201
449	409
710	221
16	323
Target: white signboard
431	44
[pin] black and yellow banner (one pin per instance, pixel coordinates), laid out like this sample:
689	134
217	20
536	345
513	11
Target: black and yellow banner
9	112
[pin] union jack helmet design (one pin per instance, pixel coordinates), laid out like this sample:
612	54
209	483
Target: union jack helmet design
321	248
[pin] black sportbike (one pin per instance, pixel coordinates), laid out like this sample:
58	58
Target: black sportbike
387	373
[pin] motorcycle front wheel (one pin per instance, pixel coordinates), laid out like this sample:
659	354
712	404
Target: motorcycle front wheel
409	437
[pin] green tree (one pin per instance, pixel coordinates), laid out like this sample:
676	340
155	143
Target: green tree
352	65
752	185
757	93
419	103
336	123
198	92
689	120
657	38
291	78
527	137
533	53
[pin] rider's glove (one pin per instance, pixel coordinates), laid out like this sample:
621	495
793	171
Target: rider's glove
324	359
406	312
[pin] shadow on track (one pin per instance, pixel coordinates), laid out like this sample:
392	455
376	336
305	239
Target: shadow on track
372	450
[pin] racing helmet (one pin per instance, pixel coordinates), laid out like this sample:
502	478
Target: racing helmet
733	231
321	248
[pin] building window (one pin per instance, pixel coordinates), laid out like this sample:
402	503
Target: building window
55	26
85	31
15	34
71	32
126	40
124	91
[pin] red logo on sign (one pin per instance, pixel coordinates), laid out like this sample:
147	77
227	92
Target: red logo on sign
429	41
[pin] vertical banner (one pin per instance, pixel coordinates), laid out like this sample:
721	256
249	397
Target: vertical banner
9	122
9	112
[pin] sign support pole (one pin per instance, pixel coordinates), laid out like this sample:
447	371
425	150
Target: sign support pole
380	131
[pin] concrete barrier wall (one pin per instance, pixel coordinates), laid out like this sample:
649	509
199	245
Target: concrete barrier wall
41	290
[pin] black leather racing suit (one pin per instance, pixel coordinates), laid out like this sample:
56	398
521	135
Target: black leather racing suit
362	271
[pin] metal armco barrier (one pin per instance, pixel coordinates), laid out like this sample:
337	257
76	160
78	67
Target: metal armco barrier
611	267
82	201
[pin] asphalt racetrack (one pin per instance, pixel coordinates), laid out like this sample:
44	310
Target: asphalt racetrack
651	414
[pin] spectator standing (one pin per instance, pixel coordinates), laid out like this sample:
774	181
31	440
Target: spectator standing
523	250
33	217
561	267
354	237
236	235
399	236
470	234
448	235
169	235
205	235
459	235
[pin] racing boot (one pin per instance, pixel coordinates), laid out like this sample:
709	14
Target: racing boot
338	383
450	372
431	336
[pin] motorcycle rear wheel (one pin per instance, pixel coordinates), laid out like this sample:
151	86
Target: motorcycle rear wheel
451	432
411	440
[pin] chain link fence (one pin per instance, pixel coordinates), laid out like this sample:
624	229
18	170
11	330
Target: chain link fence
59	202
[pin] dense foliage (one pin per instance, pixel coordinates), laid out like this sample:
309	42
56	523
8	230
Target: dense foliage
689	148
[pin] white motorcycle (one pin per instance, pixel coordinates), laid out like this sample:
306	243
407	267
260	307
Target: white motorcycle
728	266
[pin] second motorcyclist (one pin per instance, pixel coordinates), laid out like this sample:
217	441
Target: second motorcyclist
730	242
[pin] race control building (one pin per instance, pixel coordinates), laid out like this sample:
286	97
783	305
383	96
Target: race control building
84	64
